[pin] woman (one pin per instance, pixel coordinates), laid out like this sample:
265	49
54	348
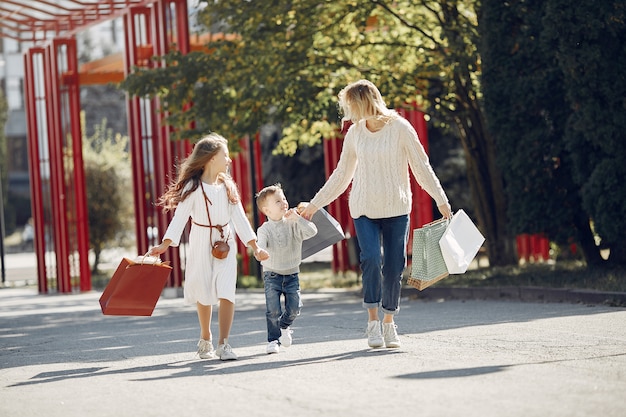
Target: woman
378	150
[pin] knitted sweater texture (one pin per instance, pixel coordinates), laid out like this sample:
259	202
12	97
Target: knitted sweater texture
377	164
282	239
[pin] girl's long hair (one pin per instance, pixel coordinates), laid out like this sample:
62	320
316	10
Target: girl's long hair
191	170
361	100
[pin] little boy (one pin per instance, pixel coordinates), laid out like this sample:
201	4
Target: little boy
281	236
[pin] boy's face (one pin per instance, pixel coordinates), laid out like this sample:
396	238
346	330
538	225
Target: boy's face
275	205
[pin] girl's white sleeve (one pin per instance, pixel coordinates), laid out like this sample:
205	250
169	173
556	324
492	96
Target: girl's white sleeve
241	223
179	221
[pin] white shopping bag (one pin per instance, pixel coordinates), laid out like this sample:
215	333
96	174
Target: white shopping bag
460	243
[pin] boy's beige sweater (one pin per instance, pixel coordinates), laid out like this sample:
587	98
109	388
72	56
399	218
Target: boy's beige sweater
377	164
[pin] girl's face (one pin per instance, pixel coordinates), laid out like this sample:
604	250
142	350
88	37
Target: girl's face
220	161
276	206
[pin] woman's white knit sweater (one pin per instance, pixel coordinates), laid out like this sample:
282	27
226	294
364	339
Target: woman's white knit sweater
377	164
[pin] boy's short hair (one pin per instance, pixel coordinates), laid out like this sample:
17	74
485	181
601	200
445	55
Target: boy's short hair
262	195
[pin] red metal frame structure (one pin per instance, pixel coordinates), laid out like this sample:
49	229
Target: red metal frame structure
52	82
58	198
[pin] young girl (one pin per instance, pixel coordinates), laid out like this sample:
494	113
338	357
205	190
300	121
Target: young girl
206	193
378	150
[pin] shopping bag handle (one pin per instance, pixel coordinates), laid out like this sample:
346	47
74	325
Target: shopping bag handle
157	260
443	219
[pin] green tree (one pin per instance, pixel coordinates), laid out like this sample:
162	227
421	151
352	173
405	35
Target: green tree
527	109
107	177
288	59
590	40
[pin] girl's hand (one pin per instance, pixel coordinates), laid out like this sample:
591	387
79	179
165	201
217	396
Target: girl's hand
158	250
261	254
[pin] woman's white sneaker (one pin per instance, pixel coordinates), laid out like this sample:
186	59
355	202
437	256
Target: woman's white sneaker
390	335
374	337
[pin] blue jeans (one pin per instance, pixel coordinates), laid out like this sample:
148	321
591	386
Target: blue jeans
275	286
383	259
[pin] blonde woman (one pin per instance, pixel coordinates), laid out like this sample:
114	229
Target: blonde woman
378	150
205	193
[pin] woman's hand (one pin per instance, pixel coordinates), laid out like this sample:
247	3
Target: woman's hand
445	210
307	211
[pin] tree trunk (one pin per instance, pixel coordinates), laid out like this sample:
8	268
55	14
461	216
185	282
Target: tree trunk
96	262
591	251
485	180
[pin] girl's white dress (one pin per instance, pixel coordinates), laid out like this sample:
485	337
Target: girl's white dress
207	278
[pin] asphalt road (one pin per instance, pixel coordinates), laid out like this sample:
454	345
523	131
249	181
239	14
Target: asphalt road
59	356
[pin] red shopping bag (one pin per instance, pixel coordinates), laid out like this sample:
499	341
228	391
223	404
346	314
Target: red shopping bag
135	287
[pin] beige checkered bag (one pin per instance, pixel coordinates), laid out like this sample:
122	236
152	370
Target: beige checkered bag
428	265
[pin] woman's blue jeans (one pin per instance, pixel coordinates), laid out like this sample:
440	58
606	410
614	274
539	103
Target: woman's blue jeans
383	259
277	285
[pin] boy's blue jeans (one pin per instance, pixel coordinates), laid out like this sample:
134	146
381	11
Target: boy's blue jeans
383	259
275	286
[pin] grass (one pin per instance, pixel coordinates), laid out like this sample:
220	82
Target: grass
566	274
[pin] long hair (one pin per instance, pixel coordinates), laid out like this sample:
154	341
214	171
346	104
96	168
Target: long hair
361	100
191	170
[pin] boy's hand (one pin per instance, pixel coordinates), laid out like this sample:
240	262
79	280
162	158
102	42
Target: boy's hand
292	214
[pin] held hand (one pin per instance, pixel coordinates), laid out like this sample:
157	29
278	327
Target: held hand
261	254
445	210
308	211
292	214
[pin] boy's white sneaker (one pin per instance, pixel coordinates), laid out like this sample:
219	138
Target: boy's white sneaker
272	347
285	338
374	336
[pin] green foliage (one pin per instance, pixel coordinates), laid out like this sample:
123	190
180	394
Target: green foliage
591	43
287	61
527	111
107	176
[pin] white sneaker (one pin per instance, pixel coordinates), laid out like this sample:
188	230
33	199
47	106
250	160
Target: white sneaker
285	338
374	337
205	349
390	335
225	352
272	347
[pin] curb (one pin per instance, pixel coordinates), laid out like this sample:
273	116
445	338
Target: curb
527	294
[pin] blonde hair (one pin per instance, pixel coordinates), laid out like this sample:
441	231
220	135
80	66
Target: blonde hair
361	100
262	195
191	170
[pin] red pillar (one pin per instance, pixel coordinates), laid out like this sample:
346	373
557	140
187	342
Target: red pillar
57	171
35	99
78	184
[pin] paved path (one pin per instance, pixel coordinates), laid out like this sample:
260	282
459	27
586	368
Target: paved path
59	356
